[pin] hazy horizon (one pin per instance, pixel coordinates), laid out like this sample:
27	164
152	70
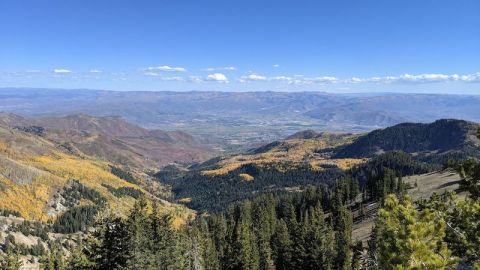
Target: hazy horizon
359	93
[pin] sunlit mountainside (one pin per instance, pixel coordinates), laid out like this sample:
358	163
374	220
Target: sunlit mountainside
40	163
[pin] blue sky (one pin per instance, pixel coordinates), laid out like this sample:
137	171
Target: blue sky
335	46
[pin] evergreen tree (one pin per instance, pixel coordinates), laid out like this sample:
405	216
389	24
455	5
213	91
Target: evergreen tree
211	259
318	252
78	260
218	231
108	246
139	236
264	216
10	260
165	241
462	217
244	250
343	238
282	246
410	239
54	259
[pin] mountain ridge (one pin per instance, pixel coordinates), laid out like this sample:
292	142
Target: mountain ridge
234	119
113	138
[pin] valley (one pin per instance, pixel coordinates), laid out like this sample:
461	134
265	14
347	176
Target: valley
61	176
239	135
235	121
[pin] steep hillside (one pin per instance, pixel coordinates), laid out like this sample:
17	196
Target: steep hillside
113	139
41	180
443	137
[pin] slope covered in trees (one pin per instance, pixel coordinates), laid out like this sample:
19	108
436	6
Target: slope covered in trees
443	137
380	159
305	230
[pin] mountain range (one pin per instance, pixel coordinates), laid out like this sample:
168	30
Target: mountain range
113	139
230	120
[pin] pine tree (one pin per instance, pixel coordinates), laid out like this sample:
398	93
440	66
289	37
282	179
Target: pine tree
139	235
10	261
211	259
108	246
218	233
282	246
54	259
343	238
462	217
317	249
78	260
264	216
244	240
166	242
408	239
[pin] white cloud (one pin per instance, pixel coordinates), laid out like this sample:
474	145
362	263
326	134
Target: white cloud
96	71
220	68
253	77
470	78
217	77
164	78
424	78
324	79
61	71
175	78
276	65
149	73
281	78
418	78
33	71
166	69
297	79
195	79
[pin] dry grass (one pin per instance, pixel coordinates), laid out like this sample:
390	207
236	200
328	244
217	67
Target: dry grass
427	184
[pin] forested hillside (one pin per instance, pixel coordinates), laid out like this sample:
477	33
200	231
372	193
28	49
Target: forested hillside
320	159
291	204
447	137
306	230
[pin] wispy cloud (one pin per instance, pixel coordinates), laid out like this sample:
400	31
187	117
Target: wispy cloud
174	78
418	78
166	69
276	65
405	79
292	80
231	68
96	71
252	77
61	71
